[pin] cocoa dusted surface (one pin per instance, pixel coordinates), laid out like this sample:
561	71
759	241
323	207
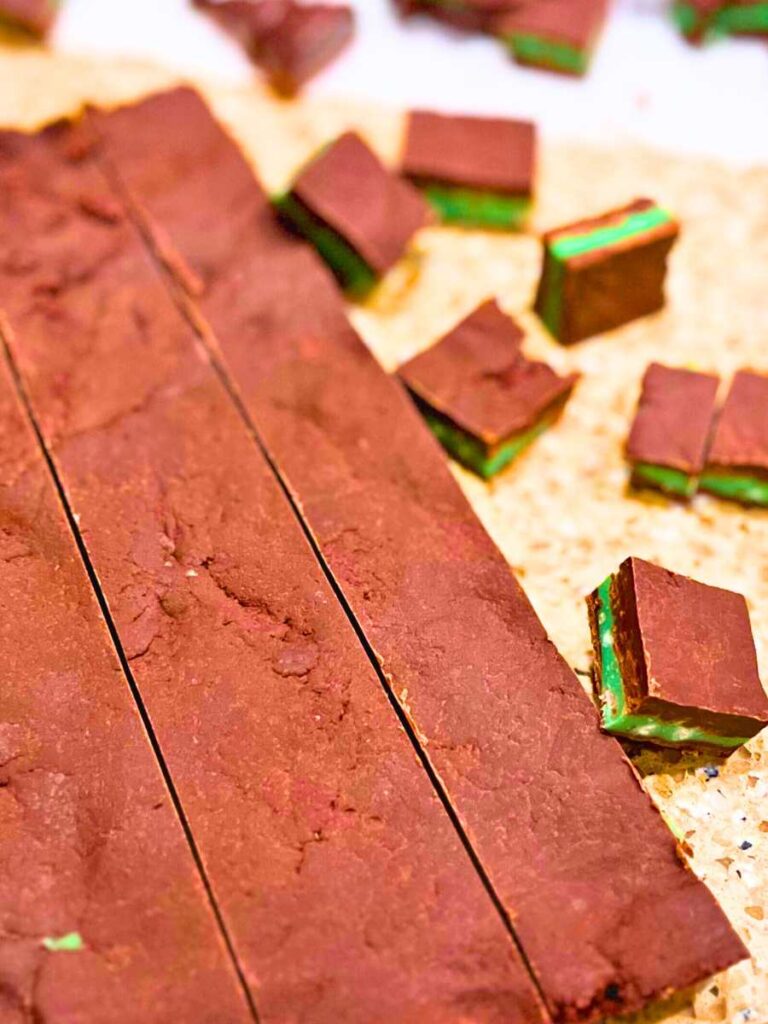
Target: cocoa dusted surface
491	153
477	377
343	883
90	843
740	440
609	917
373	210
674	418
34	16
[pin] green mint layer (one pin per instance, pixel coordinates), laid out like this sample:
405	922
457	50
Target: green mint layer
750	490
687	18
472	453
71	943
552	301
748	20
478	208
672	481
633	224
614	709
532	49
354	274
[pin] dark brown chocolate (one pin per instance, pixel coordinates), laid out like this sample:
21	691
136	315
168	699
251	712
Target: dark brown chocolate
674	418
470	15
740	440
33	16
491	153
477	378
104	915
343	883
578	856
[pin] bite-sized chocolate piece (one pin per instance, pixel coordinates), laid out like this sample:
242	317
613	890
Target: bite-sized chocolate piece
573	847
104	914
33	16
707	19
344	885
560	35
290	41
483	400
472	15
737	461
694	17
358	215
667	444
476	171
675	660
605	271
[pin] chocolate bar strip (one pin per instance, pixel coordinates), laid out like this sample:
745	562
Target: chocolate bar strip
342	881
104	913
737	461
556	34
578	856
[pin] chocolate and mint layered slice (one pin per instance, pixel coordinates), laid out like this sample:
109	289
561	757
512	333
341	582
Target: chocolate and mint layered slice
675	660
559	35
484	401
694	18
358	215
708	19
737	461
667	443
470	15
35	17
475	171
605	271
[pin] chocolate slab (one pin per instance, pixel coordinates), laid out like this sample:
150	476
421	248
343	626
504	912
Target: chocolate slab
104	915
350	191
737	461
578	856
33	16
686	657
477	377
470	15
291	42
492	153
672	426
603	272
344	885
556	34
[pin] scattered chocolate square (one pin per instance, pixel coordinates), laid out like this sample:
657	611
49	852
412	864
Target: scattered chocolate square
737	462
556	34
675	661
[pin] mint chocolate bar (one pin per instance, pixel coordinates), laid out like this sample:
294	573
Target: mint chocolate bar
559	35
484	401
668	441
737	461
675	660
605	271
708	19
475	171
358	216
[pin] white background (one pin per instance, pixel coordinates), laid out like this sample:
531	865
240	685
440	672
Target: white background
646	83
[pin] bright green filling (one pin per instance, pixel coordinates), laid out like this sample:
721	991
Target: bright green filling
471	452
71	943
687	18
354	274
751	490
613	701
533	49
476	208
568	246
736	20
673	481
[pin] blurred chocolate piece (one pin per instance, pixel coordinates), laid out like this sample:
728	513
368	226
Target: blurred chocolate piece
556	34
32	16
470	15
737	463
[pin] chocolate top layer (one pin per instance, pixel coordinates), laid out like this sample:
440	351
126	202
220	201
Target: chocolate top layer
36	16
697	643
348	188
477	377
574	22
741	434
474	152
674	418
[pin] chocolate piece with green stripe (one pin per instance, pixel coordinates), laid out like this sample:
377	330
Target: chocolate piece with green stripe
475	171
700	20
469	15
675	661
605	271
668	441
559	35
483	400
737	463
359	217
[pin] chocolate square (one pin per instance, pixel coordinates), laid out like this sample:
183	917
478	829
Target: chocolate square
737	462
555	34
668	441
675	660
33	16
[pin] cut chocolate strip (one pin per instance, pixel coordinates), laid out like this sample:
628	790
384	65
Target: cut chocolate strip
578	856
603	272
343	883
705	19
675	660
471	15
737	462
476	171
668	440
104	914
358	215
483	400
33	16
556	34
